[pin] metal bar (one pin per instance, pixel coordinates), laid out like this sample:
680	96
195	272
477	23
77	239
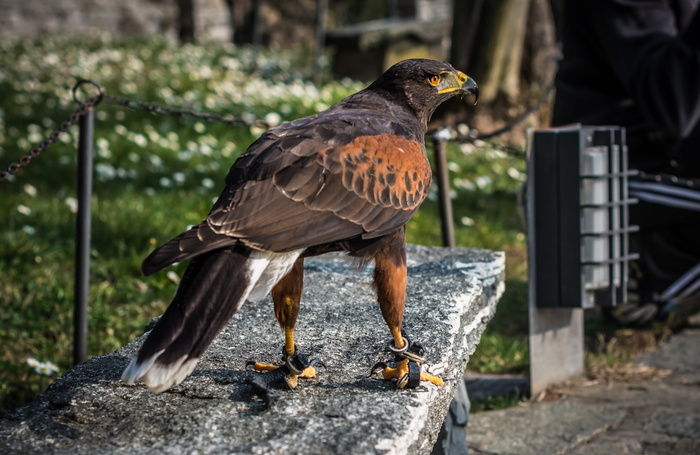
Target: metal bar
82	238
619	203
630	173
620	260
443	181
610	232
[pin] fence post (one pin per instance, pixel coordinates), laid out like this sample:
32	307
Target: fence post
443	183
82	238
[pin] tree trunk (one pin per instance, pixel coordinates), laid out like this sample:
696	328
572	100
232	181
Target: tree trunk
186	20
504	43
499	49
466	15
232	19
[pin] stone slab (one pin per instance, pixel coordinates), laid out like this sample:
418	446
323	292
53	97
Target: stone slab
544	428
452	294
680	354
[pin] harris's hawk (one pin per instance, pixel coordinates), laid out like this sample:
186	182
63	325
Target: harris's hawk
346	179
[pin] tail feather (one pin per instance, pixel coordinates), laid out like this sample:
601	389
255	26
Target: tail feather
211	291
213	288
200	239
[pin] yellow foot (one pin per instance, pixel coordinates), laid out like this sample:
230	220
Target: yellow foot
295	367
309	372
403	374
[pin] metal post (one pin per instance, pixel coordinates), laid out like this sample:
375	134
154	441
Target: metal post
82	238
443	182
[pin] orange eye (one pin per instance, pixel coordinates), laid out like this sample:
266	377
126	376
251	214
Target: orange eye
434	80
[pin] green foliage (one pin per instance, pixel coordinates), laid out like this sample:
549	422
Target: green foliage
155	175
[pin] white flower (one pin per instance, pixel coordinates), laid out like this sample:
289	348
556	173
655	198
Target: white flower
483	181
172	276
24	210
208	183
516	174
29	230
30	190
44	368
72	204
165	182
156	161
273	118
140	140
467	221
105	171
179	177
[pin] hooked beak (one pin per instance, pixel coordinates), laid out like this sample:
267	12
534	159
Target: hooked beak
469	87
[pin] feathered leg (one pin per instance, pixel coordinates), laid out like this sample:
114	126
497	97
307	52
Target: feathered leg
286	296
390	283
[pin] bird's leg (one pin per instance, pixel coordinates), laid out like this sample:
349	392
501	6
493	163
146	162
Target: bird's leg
286	296
390	284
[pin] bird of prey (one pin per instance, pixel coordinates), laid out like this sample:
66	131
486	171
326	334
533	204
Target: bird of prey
346	179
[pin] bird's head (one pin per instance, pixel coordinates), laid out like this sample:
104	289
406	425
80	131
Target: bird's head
424	84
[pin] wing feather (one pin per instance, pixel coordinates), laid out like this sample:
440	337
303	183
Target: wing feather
313	182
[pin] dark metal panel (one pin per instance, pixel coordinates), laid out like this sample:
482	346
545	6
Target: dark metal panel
543	227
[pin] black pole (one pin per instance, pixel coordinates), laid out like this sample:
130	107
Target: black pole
82	238
443	182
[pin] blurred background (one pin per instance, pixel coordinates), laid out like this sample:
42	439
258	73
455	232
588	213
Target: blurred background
269	60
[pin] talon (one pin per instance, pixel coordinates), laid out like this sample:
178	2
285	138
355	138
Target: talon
300	365
318	362
378	366
407	373
295	366
291	381
259	366
430	378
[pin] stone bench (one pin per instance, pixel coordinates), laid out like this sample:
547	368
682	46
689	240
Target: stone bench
452	294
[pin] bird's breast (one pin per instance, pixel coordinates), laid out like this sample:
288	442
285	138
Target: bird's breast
386	169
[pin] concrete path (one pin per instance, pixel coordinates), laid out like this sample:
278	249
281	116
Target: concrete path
652	416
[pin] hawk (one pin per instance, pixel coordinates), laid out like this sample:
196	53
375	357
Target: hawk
346	179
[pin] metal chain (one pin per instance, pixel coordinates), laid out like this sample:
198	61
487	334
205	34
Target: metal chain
126	102
83	108
518	120
180	112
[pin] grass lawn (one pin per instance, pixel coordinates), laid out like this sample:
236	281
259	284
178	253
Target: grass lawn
155	175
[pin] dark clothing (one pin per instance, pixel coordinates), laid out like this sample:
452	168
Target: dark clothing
636	63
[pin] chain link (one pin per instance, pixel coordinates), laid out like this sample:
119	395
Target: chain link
181	112
126	102
52	138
